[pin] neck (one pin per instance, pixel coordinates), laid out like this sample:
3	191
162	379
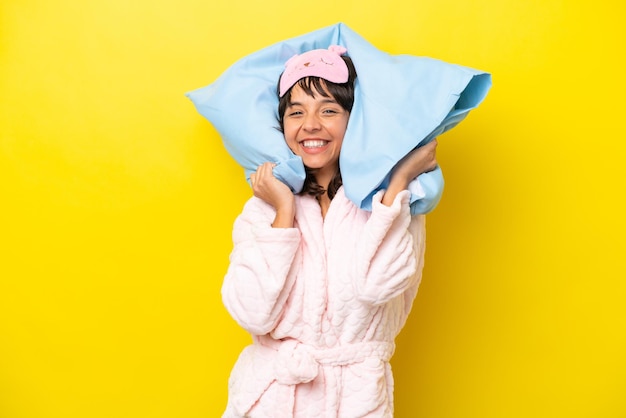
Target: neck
324	202
323	177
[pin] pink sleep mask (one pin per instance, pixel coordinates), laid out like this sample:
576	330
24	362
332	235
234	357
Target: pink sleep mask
323	63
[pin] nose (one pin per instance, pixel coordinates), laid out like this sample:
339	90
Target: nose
311	122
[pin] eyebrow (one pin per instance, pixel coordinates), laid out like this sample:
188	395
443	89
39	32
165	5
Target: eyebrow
324	101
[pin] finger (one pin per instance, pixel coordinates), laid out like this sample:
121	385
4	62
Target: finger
263	168
259	173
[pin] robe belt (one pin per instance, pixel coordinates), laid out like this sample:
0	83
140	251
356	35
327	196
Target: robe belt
289	362
295	362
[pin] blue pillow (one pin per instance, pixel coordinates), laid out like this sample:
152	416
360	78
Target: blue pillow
401	102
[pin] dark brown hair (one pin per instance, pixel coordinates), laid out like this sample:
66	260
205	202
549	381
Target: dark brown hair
343	93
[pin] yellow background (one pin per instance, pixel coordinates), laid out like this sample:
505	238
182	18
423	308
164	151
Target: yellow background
117	201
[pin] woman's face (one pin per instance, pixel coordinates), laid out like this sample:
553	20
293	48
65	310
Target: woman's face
314	128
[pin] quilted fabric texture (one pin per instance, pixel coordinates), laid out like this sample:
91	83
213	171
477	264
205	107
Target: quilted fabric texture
401	101
324	303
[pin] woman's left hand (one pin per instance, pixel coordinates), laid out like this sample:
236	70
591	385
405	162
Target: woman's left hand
420	160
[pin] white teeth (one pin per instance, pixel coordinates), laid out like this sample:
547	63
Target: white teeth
313	143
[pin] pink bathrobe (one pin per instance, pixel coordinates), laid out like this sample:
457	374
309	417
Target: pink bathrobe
324	302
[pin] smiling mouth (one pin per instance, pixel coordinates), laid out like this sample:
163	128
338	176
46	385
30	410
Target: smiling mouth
313	143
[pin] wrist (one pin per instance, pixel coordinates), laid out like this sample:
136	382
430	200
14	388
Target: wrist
284	216
400	180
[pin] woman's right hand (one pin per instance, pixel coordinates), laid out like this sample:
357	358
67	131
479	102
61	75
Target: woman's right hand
267	187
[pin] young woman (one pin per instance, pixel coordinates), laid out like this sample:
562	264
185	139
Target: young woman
322	286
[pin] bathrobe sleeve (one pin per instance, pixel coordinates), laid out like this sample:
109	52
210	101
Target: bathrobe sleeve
387	252
257	281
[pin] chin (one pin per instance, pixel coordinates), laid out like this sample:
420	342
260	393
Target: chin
311	164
